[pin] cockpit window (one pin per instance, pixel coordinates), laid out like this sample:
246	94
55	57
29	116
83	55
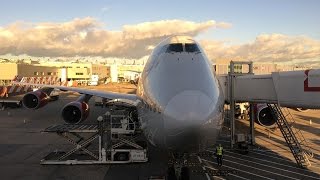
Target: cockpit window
163	49
191	47
176	47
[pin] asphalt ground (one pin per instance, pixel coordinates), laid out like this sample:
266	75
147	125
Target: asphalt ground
22	146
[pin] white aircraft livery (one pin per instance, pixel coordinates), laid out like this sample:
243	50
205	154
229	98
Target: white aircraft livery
183	97
179	100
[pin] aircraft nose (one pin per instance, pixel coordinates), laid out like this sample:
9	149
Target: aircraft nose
187	110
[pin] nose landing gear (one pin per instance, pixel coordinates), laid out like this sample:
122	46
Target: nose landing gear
177	167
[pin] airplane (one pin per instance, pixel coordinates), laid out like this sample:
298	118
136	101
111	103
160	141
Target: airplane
16	88
10	95
179	99
13	90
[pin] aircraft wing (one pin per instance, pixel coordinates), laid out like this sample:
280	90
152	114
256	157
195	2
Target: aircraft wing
103	94
290	89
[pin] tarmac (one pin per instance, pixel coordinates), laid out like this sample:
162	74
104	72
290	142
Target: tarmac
22	146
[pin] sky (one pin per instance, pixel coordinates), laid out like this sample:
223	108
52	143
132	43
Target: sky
263	30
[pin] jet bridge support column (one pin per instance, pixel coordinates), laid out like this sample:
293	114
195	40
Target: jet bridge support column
232	79
252	135
232	105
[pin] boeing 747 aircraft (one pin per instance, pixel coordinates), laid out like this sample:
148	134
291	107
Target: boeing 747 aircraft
179	99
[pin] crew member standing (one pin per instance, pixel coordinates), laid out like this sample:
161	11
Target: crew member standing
219	152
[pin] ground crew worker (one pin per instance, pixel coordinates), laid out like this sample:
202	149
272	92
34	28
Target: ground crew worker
219	153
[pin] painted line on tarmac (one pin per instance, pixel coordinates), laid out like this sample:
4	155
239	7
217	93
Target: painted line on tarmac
272	156
205	166
207	175
204	169
258	168
272	167
273	142
276	153
229	150
271	162
239	170
262	170
272	150
228	174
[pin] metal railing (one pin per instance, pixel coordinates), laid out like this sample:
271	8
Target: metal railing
294	138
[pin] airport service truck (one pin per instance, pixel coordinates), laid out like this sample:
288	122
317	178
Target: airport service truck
94	80
131	76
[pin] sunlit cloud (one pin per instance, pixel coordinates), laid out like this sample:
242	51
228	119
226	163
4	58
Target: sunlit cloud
268	48
86	37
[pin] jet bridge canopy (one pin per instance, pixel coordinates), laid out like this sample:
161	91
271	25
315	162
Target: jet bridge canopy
290	89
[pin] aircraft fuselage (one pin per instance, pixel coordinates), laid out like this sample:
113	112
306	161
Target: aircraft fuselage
182	102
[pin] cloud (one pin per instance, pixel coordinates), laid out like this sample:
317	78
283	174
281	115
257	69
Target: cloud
86	37
168	27
268	48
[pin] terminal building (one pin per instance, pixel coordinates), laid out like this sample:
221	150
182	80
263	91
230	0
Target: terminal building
68	71
257	68
9	70
83	71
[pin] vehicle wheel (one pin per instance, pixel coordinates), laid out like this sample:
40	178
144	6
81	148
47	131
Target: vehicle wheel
122	157
185	173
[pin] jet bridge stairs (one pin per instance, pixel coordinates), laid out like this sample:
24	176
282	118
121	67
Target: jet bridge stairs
294	138
288	89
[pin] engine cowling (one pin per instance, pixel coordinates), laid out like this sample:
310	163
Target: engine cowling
263	116
35	99
75	112
3	91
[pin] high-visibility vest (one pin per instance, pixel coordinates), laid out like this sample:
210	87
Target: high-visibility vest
219	150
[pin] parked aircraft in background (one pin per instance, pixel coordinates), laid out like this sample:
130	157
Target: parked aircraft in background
9	95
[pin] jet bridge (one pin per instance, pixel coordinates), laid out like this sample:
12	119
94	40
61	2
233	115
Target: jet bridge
289	89
300	89
115	139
